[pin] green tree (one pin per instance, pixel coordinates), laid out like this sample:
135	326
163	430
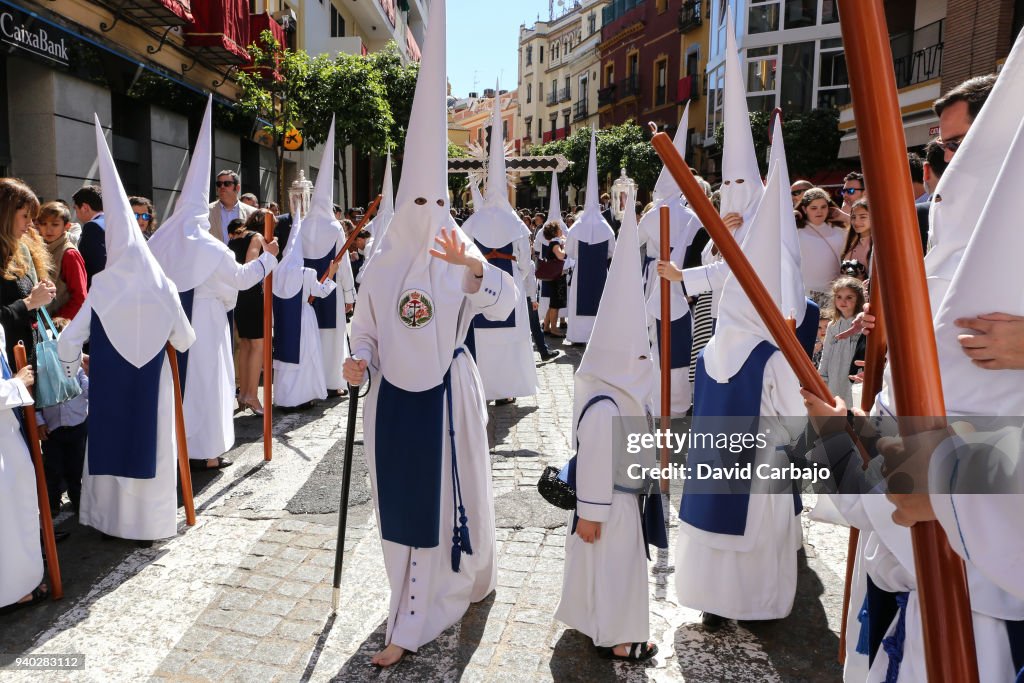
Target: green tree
457	182
399	80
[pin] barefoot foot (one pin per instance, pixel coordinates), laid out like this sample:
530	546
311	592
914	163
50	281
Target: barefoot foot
388	656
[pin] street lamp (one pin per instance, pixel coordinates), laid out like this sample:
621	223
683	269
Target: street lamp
299	195
621	189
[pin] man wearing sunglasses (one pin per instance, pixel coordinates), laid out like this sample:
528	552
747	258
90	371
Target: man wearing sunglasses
227	207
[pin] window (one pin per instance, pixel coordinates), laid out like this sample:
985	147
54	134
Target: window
661	82
633	64
592	23
661	5
541	54
833	81
716	85
762	64
337	23
504	129
763	16
609	75
554	50
801	13
829	11
528	124
529	55
529	93
568	87
797	84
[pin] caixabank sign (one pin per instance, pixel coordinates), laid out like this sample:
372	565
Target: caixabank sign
21	31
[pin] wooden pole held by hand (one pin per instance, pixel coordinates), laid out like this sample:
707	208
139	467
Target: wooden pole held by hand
268	347
950	653
665	354
180	436
45	519
352	238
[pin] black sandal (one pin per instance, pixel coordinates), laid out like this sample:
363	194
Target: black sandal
204	466
638	652
39	594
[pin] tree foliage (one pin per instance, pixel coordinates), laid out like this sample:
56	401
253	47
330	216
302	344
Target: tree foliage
457	182
811	139
399	80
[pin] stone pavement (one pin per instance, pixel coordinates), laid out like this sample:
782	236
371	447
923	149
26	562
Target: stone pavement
245	594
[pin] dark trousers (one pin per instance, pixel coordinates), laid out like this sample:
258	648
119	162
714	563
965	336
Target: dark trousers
538	334
63	460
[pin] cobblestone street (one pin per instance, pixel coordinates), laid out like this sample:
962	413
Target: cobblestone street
245	594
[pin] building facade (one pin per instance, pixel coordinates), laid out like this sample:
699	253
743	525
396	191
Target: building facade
472	117
558	74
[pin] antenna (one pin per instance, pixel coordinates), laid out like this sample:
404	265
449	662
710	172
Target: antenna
551	9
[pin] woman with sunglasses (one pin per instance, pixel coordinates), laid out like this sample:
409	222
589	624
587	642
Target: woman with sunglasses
144	214
822	241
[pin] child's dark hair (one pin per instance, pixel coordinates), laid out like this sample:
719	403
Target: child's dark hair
551	230
236	225
363	234
54	210
861	203
846	282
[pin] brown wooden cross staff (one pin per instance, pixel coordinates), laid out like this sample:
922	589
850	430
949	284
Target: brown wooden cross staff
666	342
46	521
268	348
351	238
950	653
182	439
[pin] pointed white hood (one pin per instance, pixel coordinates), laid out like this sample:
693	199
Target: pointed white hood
288	275
969	180
322	229
794	300
988	278
555	204
416	356
618	360
741	179
740	328
378	227
495	223
666	187
477	197
183	246
590	226
136	302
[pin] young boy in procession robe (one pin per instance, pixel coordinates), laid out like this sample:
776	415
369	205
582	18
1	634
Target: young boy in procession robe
736	555
208	279
502	348
604	588
21	561
590	244
972	260
432	494
683	227
129	487
299	376
322	240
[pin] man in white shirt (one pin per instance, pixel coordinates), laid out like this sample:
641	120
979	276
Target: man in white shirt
227	207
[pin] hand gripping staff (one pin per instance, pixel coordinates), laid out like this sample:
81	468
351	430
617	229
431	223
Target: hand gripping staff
352	238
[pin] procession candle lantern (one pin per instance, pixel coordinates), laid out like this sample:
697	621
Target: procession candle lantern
621	191
950	652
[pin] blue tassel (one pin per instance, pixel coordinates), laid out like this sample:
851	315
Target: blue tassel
456	552
863	640
464	531
893	645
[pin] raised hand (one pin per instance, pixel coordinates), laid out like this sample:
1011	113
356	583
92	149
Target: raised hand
453	251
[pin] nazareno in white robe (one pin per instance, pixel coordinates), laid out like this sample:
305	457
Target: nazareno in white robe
208	401
295	384
21	560
426	595
334	342
604	586
580	326
135	509
504	356
753	576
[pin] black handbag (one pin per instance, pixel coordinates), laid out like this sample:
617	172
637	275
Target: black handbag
559	489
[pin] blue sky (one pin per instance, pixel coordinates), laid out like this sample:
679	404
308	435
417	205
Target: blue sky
483	41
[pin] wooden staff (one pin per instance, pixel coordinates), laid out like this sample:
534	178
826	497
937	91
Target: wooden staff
874	366
182	439
49	540
268	347
666	341
352	238
950	653
767	309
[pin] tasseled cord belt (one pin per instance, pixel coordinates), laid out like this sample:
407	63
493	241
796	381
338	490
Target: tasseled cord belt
460	530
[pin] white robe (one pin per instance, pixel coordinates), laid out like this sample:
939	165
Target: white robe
753	576
334	343
580	326
302	382
209	392
604	587
504	356
21	560
426	595
709	277
135	509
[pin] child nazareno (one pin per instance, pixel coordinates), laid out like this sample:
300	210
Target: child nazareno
604	589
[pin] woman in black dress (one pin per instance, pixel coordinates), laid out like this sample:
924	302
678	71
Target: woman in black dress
22	257
246	241
555	290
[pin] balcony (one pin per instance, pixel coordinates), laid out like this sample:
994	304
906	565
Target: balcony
690	15
580	110
552	98
917	55
564	95
153	13
349	45
606	96
629	87
688	89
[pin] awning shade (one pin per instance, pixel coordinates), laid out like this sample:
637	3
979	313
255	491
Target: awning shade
220	33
